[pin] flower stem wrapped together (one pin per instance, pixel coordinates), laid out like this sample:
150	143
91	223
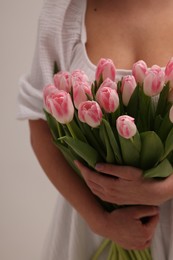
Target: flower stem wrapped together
129	122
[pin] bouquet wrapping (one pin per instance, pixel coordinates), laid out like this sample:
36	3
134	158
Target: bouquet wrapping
129	122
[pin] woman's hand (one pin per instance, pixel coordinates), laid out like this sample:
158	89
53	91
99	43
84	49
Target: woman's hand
125	185
125	226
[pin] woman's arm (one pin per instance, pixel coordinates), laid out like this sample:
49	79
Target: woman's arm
125	185
117	225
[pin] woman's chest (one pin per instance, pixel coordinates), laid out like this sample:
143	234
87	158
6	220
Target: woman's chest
126	39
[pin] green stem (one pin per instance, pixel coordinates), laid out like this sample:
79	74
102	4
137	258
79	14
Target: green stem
71	130
59	129
111	251
100	249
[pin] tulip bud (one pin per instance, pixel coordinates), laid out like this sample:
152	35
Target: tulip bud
78	76
139	71
126	126
80	92
89	112
169	72
62	81
108	99
127	88
105	69
171	114
109	83
60	105
154	81
46	92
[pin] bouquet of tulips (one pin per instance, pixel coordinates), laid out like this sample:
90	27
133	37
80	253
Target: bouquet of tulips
129	122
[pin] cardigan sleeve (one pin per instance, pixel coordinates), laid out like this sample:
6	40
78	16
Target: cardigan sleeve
59	29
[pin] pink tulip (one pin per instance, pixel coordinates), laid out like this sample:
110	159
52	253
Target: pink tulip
154	81
46	92
62	81
60	105
139	71
80	92
169	72
127	88
126	126
89	112
79	75
109	83
108	99
106	69
171	114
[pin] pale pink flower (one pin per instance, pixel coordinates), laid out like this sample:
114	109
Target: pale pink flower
106	69
171	114
81	91
126	126
60	105
139	71
108	99
154	81
109	83
127	88
169	72
62	81
46	92
78	76
89	112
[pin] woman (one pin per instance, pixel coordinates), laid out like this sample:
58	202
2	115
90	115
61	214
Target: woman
77	34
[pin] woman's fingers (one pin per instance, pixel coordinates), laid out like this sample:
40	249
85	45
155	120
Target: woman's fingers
146	211
123	172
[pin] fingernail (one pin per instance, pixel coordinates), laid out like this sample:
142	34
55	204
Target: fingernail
98	166
76	163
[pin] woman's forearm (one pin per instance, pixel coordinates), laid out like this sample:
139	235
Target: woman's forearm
67	182
118	224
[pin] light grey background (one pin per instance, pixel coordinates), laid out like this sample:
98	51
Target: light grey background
27	198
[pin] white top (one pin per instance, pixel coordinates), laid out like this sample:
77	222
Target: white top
62	38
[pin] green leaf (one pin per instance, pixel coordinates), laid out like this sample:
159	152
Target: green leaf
105	138
165	127
82	149
113	142
151	151
144	118
162	170
130	152
157	122
69	156
76	131
92	136
168	144
163	100
133	105
55	128
55	69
